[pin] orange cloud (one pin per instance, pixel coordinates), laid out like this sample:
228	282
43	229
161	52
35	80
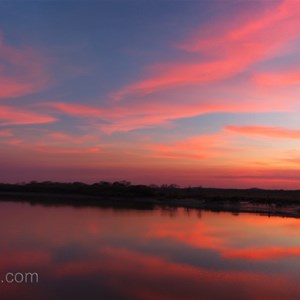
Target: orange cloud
294	160
22	73
265	131
199	147
263	254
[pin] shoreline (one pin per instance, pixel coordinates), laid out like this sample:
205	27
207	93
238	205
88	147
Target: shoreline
264	207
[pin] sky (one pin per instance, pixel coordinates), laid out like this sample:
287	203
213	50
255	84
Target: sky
153	92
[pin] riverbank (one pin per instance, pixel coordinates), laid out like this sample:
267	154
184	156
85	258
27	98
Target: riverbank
285	207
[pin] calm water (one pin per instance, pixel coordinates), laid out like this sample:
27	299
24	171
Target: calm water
94	253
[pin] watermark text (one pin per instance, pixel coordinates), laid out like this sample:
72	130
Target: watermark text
20	277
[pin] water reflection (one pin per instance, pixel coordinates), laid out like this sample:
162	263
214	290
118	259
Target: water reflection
93	253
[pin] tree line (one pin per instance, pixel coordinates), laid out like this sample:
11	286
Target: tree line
103	188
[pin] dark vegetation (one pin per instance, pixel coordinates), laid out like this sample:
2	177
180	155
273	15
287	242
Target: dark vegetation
126	190
103	189
124	195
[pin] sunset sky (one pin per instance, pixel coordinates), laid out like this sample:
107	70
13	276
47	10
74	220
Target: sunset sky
151	91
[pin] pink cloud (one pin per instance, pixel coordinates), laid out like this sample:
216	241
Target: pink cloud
265	131
59	136
282	78
13	116
183	74
234	50
246	28
22	73
132	115
162	152
53	150
75	109
14	142
63	138
6	133
219	237
47	142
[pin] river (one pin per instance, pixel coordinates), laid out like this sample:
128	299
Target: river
106	253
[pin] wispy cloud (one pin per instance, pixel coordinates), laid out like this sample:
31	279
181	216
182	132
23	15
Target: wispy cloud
279	78
229	52
127	116
10	115
22	71
74	109
6	133
57	150
195	148
265	131
262	254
